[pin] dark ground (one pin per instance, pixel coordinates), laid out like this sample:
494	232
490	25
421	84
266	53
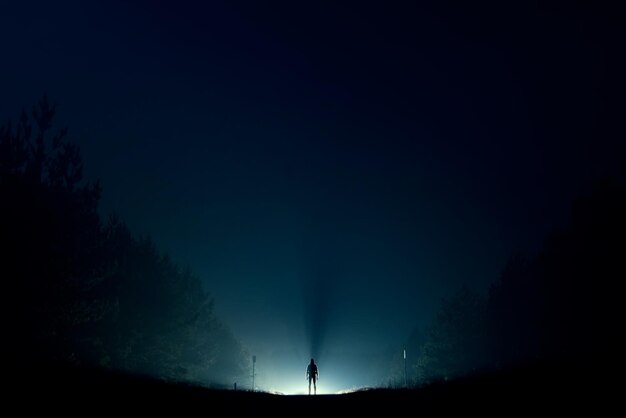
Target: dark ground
534	391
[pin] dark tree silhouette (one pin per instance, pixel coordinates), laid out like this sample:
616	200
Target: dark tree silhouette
455	344
84	292
562	306
513	314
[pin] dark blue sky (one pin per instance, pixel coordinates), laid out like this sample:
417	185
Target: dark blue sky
386	153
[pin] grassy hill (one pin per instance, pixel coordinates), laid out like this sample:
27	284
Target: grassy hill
532	391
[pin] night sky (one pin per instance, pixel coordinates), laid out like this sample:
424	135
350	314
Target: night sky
330	170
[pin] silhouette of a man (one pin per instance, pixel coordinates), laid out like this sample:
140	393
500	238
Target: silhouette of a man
312	375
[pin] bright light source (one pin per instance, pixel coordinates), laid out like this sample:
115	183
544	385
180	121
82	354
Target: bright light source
301	387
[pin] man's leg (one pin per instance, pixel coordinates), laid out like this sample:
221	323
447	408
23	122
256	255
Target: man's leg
314	386
309	385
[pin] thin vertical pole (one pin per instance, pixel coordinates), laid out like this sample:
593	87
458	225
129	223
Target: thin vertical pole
404	354
253	364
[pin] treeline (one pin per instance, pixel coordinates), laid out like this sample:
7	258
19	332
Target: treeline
81	290
563	305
